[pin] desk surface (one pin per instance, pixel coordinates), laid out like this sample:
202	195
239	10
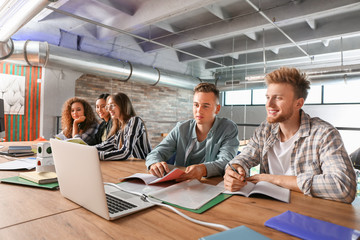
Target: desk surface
32	213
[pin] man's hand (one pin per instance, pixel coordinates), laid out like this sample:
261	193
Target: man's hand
159	169
284	181
234	181
194	171
261	177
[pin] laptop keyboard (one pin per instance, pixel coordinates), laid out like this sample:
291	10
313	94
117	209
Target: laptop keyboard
117	205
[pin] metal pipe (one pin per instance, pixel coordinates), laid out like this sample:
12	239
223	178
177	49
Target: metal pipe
43	54
278	28
131	35
13	17
6	49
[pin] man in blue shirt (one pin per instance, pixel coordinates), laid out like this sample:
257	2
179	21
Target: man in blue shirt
204	145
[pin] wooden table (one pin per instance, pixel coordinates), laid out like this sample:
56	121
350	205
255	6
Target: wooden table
32	213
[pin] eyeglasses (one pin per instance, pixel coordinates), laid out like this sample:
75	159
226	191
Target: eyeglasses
110	107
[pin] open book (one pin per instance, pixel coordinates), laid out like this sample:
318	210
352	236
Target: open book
73	140
190	194
151	179
262	188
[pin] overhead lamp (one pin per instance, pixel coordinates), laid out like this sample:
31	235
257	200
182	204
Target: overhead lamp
16	13
254	78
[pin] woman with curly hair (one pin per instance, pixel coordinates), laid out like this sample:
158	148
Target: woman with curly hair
78	121
128	135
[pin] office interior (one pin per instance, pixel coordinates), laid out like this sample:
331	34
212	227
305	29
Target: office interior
157	51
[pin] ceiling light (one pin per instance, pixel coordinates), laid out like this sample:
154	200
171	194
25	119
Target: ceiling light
255	78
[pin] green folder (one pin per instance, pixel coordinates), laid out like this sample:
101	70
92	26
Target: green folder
218	199
21	181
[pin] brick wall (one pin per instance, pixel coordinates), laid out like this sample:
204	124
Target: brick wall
160	107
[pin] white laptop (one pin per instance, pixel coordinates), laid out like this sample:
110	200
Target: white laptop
80	180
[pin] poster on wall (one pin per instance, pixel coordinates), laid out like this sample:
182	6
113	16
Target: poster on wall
12	90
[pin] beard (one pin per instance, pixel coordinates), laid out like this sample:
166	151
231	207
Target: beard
280	118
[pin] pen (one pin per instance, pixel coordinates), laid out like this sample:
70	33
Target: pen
234	169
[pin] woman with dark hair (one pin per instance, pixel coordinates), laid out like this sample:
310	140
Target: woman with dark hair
78	121
105	126
128	136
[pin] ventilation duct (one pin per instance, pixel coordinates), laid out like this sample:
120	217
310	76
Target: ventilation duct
326	75
6	49
42	54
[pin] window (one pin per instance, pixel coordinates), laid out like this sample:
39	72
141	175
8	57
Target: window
342	93
239	97
259	96
314	96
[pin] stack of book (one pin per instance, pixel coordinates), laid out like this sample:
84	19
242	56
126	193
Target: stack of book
47	180
18	151
39	177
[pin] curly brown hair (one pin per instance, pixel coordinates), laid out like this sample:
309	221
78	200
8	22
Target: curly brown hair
67	120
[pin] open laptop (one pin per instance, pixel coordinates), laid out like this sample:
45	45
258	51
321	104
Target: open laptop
80	180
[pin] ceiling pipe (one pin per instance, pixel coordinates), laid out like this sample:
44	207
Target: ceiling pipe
6	49
42	54
318	77
278	28
133	35
14	15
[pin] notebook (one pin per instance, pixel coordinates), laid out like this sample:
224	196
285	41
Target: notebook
80	180
241	232
306	227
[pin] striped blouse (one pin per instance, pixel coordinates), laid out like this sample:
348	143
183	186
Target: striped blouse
135	142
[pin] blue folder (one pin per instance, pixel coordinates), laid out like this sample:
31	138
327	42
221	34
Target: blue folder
305	227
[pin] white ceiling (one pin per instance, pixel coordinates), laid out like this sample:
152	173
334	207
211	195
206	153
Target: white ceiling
210	39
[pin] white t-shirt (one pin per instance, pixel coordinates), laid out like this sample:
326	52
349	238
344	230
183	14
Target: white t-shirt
279	156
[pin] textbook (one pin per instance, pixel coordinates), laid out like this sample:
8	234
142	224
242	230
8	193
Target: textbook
39	177
241	232
149	179
262	188
19	149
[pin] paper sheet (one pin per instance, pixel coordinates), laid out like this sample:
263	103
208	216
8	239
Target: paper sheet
189	194
22	163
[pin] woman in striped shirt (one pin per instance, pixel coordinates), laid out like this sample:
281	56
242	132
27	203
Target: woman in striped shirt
128	136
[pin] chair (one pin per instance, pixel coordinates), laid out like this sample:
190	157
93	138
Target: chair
355	158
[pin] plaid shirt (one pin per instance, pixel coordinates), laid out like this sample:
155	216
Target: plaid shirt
88	136
318	159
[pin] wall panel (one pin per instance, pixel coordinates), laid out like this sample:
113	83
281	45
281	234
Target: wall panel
24	127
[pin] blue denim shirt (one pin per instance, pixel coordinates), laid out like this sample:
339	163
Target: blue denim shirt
222	144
